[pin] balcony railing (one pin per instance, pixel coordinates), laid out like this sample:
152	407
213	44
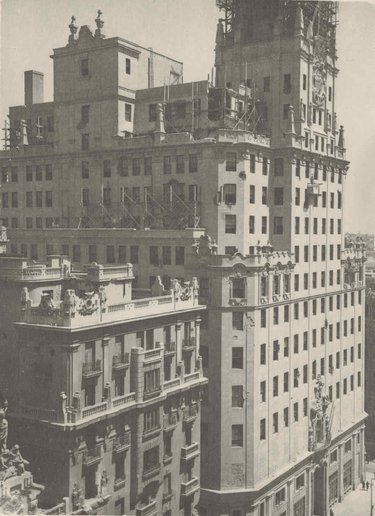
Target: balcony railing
190	452
121	443
169	348
92	457
119	483
151	470
123	400
94	409
120	362
188	344
190	413
190	487
152	354
91	369
148	509
152	392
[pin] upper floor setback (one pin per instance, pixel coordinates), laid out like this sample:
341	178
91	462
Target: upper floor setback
75	312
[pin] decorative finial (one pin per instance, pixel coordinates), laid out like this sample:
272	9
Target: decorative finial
341	142
73	29
99	24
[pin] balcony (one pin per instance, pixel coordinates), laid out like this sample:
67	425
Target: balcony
152	393
170	421
121	443
190	452
190	414
169	348
92	457
148	509
152	355
92	369
188	345
168	496
119	483
190	487
120	362
151	470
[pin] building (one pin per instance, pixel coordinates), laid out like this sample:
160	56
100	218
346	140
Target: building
108	387
369	363
246	172
18	491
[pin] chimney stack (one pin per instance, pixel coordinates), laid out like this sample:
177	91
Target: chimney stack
34	87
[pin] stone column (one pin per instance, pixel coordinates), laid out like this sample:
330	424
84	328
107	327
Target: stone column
340	472
178	342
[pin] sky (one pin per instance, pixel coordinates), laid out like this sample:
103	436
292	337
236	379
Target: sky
185	30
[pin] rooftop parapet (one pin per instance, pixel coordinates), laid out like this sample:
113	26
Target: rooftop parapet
98	273
241	136
19	269
93	308
264	258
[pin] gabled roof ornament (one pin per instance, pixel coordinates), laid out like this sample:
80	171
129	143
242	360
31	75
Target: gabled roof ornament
73	30
99	24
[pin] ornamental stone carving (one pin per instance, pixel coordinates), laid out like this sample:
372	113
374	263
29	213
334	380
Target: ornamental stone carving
205	246
69	302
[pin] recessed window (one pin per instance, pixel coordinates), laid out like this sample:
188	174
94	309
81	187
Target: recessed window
237	358
128	112
127	66
84	67
237	435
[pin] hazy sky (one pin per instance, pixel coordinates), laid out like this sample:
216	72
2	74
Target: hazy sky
185	30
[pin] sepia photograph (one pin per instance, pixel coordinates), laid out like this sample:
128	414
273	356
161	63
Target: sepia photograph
187	257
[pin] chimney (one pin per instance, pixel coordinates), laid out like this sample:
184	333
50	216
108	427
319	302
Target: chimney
34	88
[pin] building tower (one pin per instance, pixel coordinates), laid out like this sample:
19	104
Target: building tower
285	412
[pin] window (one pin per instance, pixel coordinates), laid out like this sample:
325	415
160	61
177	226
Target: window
193	163
151	459
263	391
231	161
279	167
128	112
304	82
266	84
167	162
275	386
151	420
295	412
276	349
152	112
263	354
48	172
84	67
237	396
280	497
230	224
180	255
29	200
39	199
286	346
278	227
152	381
264	225
265	166
287	83
85	169
237	435
49	199
251	224
127	66
286	416
84	142
263	318
300	482
286	382
275	422
85	110
134	254
136	167
85	196
29	173
262	429
237	358
279	196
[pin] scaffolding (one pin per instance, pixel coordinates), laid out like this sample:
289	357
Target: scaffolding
171	211
229	8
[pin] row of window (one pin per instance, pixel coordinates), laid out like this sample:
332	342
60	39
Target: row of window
14	198
297	381
38	172
278	225
231	163
315	226
238	356
85	70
